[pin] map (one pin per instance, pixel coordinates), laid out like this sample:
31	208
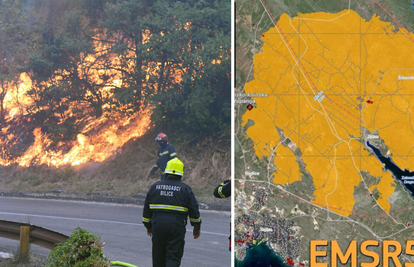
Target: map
324	133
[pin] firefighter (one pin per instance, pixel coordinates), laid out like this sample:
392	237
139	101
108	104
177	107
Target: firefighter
224	191
165	153
167	205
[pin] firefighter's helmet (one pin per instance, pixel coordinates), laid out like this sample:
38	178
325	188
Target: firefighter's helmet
162	137
175	166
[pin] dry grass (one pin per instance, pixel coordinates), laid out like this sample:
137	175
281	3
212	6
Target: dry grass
32	263
19	261
207	163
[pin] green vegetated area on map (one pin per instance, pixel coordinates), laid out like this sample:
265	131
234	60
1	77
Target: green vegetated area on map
247	158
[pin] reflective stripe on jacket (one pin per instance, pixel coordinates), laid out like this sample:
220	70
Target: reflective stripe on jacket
172	198
164	155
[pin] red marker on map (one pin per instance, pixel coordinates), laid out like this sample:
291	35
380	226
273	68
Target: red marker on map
249	107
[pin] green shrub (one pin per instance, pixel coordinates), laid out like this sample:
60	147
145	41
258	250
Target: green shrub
82	249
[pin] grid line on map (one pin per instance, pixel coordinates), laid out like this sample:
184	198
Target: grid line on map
299	90
334	33
374	94
342	156
360	90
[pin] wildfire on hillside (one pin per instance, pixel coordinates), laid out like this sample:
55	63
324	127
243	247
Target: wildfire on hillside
26	142
99	138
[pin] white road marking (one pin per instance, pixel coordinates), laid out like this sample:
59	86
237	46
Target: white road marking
93	220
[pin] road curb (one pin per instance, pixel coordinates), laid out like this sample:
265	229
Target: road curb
137	199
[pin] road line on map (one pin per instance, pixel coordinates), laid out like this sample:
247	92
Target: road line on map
329	20
356	222
295	197
297	59
336	183
399	25
304	73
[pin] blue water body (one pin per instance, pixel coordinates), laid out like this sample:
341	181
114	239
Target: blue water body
405	176
261	256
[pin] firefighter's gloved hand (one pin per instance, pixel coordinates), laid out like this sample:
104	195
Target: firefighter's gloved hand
196	233
149	232
153	170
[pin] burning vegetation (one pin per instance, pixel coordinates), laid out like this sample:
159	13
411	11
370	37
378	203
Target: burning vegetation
80	78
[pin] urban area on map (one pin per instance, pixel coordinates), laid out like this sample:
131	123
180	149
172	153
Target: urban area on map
324	132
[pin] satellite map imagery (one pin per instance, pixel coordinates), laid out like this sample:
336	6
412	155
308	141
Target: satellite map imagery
324	133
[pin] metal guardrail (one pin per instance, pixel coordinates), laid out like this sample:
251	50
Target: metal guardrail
38	235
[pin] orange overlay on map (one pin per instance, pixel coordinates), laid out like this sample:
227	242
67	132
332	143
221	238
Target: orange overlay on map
330	78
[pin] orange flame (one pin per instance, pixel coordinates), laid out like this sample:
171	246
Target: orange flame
98	147
16	99
100	138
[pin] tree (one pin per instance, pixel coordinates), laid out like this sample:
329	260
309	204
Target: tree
70	78
175	57
123	56
13	48
131	34
198	40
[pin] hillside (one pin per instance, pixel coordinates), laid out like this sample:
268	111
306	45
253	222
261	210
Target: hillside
207	163
83	83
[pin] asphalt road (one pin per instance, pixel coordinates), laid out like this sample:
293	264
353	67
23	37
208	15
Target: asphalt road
120	227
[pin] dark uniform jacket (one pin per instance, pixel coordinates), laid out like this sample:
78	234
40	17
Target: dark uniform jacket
173	199
223	190
165	154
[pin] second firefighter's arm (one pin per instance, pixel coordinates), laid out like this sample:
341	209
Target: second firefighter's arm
223	190
173	154
157	164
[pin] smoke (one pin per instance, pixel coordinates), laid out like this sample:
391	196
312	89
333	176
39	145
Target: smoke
88	168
